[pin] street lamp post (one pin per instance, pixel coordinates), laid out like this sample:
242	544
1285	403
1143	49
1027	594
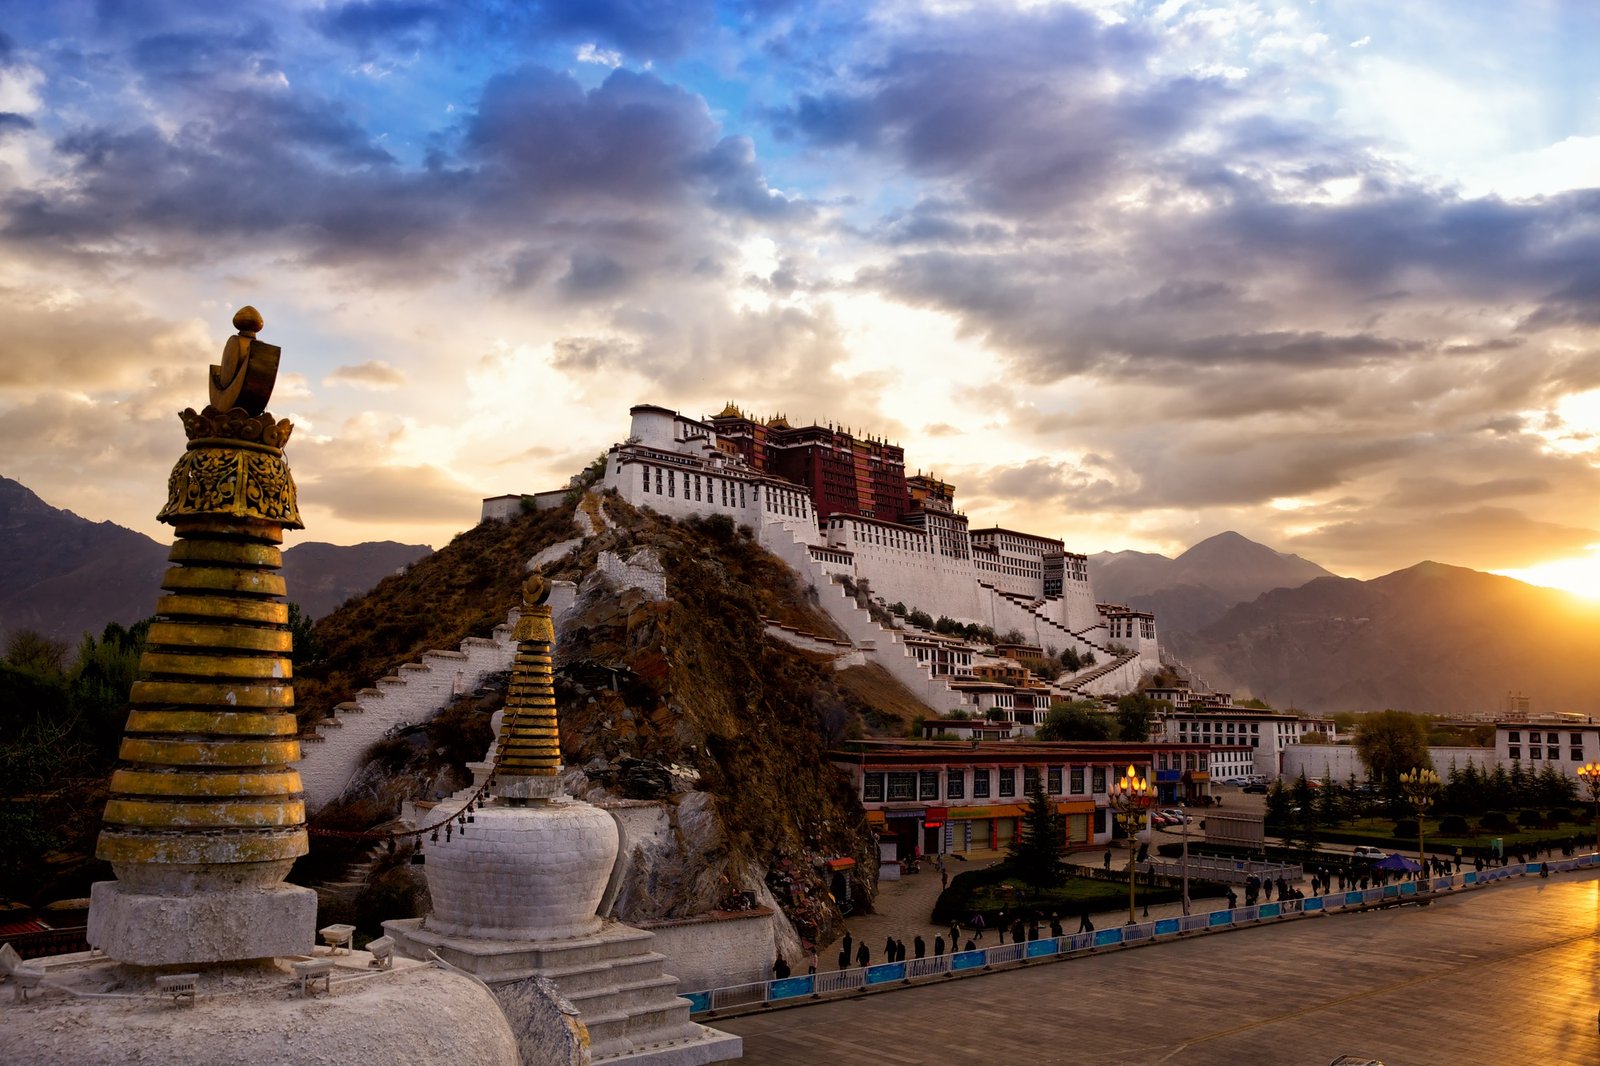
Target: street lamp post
1420	786
1589	774
1131	797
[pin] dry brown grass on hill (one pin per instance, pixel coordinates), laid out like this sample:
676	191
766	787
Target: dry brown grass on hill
892	704
462	590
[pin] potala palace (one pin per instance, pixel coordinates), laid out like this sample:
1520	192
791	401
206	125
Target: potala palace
840	508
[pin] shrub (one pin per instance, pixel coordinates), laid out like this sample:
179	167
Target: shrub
1494	820
920	619
1529	818
1560	814
1405	828
1453	825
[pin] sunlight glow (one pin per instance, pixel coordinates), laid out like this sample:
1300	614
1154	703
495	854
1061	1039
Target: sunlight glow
1579	576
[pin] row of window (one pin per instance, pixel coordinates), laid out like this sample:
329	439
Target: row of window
1515	737
1538	753
708	489
898	786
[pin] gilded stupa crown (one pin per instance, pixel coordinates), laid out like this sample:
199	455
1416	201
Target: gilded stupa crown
234	467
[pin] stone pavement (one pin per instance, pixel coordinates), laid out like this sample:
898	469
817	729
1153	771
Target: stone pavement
1505	974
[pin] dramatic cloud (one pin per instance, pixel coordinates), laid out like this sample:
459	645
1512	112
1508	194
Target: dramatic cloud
1127	273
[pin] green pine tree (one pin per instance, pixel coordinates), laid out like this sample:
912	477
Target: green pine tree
1035	852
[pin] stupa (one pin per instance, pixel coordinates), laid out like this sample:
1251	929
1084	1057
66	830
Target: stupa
206	814
515	889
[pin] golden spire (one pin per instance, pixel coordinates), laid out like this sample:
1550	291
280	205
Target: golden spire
206	790
530	732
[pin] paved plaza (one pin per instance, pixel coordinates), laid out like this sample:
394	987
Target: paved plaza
1508	974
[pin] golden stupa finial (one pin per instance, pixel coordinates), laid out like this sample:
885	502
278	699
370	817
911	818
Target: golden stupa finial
249	368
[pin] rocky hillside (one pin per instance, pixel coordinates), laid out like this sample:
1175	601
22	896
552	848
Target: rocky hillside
682	700
1431	638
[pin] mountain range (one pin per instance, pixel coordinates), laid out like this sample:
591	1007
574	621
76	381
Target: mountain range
1198	587
64	575
1240	616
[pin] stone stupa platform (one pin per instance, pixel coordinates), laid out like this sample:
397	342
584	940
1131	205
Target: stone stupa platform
91	1009
629	1005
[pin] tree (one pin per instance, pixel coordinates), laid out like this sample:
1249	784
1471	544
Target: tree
1278	804
30	650
306	648
1078	720
1314	737
1070	660
919	618
1136	712
1391	743
1035	852
1254	704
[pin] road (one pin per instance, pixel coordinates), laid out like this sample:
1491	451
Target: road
1500	975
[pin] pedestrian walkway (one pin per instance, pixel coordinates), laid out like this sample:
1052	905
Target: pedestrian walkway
904	908
1504	975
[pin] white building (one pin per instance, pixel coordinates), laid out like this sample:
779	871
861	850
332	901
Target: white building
1211	718
679	467
1566	742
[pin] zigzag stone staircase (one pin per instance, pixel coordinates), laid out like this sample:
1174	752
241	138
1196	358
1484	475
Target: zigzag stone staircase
336	747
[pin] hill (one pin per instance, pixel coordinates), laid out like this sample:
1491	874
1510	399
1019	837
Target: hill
63	575
1431	638
682	698
1197	588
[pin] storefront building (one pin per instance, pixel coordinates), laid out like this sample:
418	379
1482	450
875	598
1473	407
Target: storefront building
939	797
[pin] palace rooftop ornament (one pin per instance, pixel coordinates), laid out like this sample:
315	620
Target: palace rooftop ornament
206	813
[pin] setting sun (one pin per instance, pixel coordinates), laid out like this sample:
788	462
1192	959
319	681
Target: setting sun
1579	576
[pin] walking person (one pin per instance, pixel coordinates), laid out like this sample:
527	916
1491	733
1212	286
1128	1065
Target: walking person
938	946
919	946
977	926
780	968
863	956
811	961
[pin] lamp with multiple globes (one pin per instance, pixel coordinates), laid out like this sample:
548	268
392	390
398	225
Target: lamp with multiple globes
1420	786
1131	797
1589	774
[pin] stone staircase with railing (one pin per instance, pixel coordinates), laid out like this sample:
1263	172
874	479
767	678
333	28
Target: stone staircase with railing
1075	685
336	746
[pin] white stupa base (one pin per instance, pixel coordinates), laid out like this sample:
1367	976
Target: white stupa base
629	1006
234	925
251	1014
522	873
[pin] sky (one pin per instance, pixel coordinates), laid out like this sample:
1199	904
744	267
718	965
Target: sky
1127	273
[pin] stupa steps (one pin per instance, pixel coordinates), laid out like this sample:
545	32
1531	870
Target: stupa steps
623	1031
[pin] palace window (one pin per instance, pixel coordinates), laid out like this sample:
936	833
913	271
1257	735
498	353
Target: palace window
1077	780
1515	736
672	483
954	785
930	785
658	482
1054	779
1516	752
1535	753
980	784
1030	779
872	788
1099	779
902	785
1008	782
645	470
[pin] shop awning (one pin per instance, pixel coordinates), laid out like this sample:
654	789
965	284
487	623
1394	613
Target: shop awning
874	817
913	813
985	812
841	864
934	817
1076	807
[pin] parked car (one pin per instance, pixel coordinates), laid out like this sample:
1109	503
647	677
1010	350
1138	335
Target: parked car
1258	787
1160	818
1368	853
1175	816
